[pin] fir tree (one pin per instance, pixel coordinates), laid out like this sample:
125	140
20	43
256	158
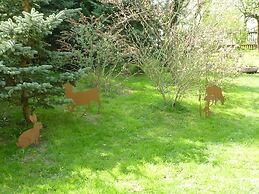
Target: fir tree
10	8
28	75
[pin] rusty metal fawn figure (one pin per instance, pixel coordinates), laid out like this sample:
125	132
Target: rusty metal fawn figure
207	110
82	98
32	135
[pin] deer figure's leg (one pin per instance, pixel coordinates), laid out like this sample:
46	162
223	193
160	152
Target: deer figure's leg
37	141
222	99
207	112
216	98
87	108
71	107
211	101
99	106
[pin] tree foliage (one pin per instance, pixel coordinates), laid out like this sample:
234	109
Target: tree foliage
250	9
28	73
96	44
180	57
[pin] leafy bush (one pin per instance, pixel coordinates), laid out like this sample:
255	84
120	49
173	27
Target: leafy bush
96	45
179	57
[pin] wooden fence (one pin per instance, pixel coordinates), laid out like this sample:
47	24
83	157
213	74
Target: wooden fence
252	37
248	46
251	41
242	46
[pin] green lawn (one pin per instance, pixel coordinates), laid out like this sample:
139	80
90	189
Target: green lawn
250	58
137	145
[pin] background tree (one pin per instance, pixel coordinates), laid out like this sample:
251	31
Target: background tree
250	9
31	75
10	8
225	15
181	57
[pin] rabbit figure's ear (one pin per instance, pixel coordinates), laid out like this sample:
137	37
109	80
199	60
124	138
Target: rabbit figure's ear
33	118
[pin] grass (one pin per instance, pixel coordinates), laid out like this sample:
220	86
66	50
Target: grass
250	58
137	145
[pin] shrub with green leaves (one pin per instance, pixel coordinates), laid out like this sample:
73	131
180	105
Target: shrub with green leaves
95	44
179	57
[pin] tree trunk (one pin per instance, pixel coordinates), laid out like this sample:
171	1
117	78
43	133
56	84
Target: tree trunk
175	100
257	33
26	5
25	106
25	97
164	97
198	14
200	103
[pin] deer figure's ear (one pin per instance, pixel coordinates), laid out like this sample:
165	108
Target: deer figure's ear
33	118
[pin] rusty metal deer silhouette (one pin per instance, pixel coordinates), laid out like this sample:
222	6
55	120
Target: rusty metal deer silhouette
82	98
213	94
32	135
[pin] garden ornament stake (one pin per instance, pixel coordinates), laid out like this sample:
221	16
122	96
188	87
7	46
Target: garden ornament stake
82	98
32	135
213	94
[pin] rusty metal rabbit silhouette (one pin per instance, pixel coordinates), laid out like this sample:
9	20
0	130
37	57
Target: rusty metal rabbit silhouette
32	135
